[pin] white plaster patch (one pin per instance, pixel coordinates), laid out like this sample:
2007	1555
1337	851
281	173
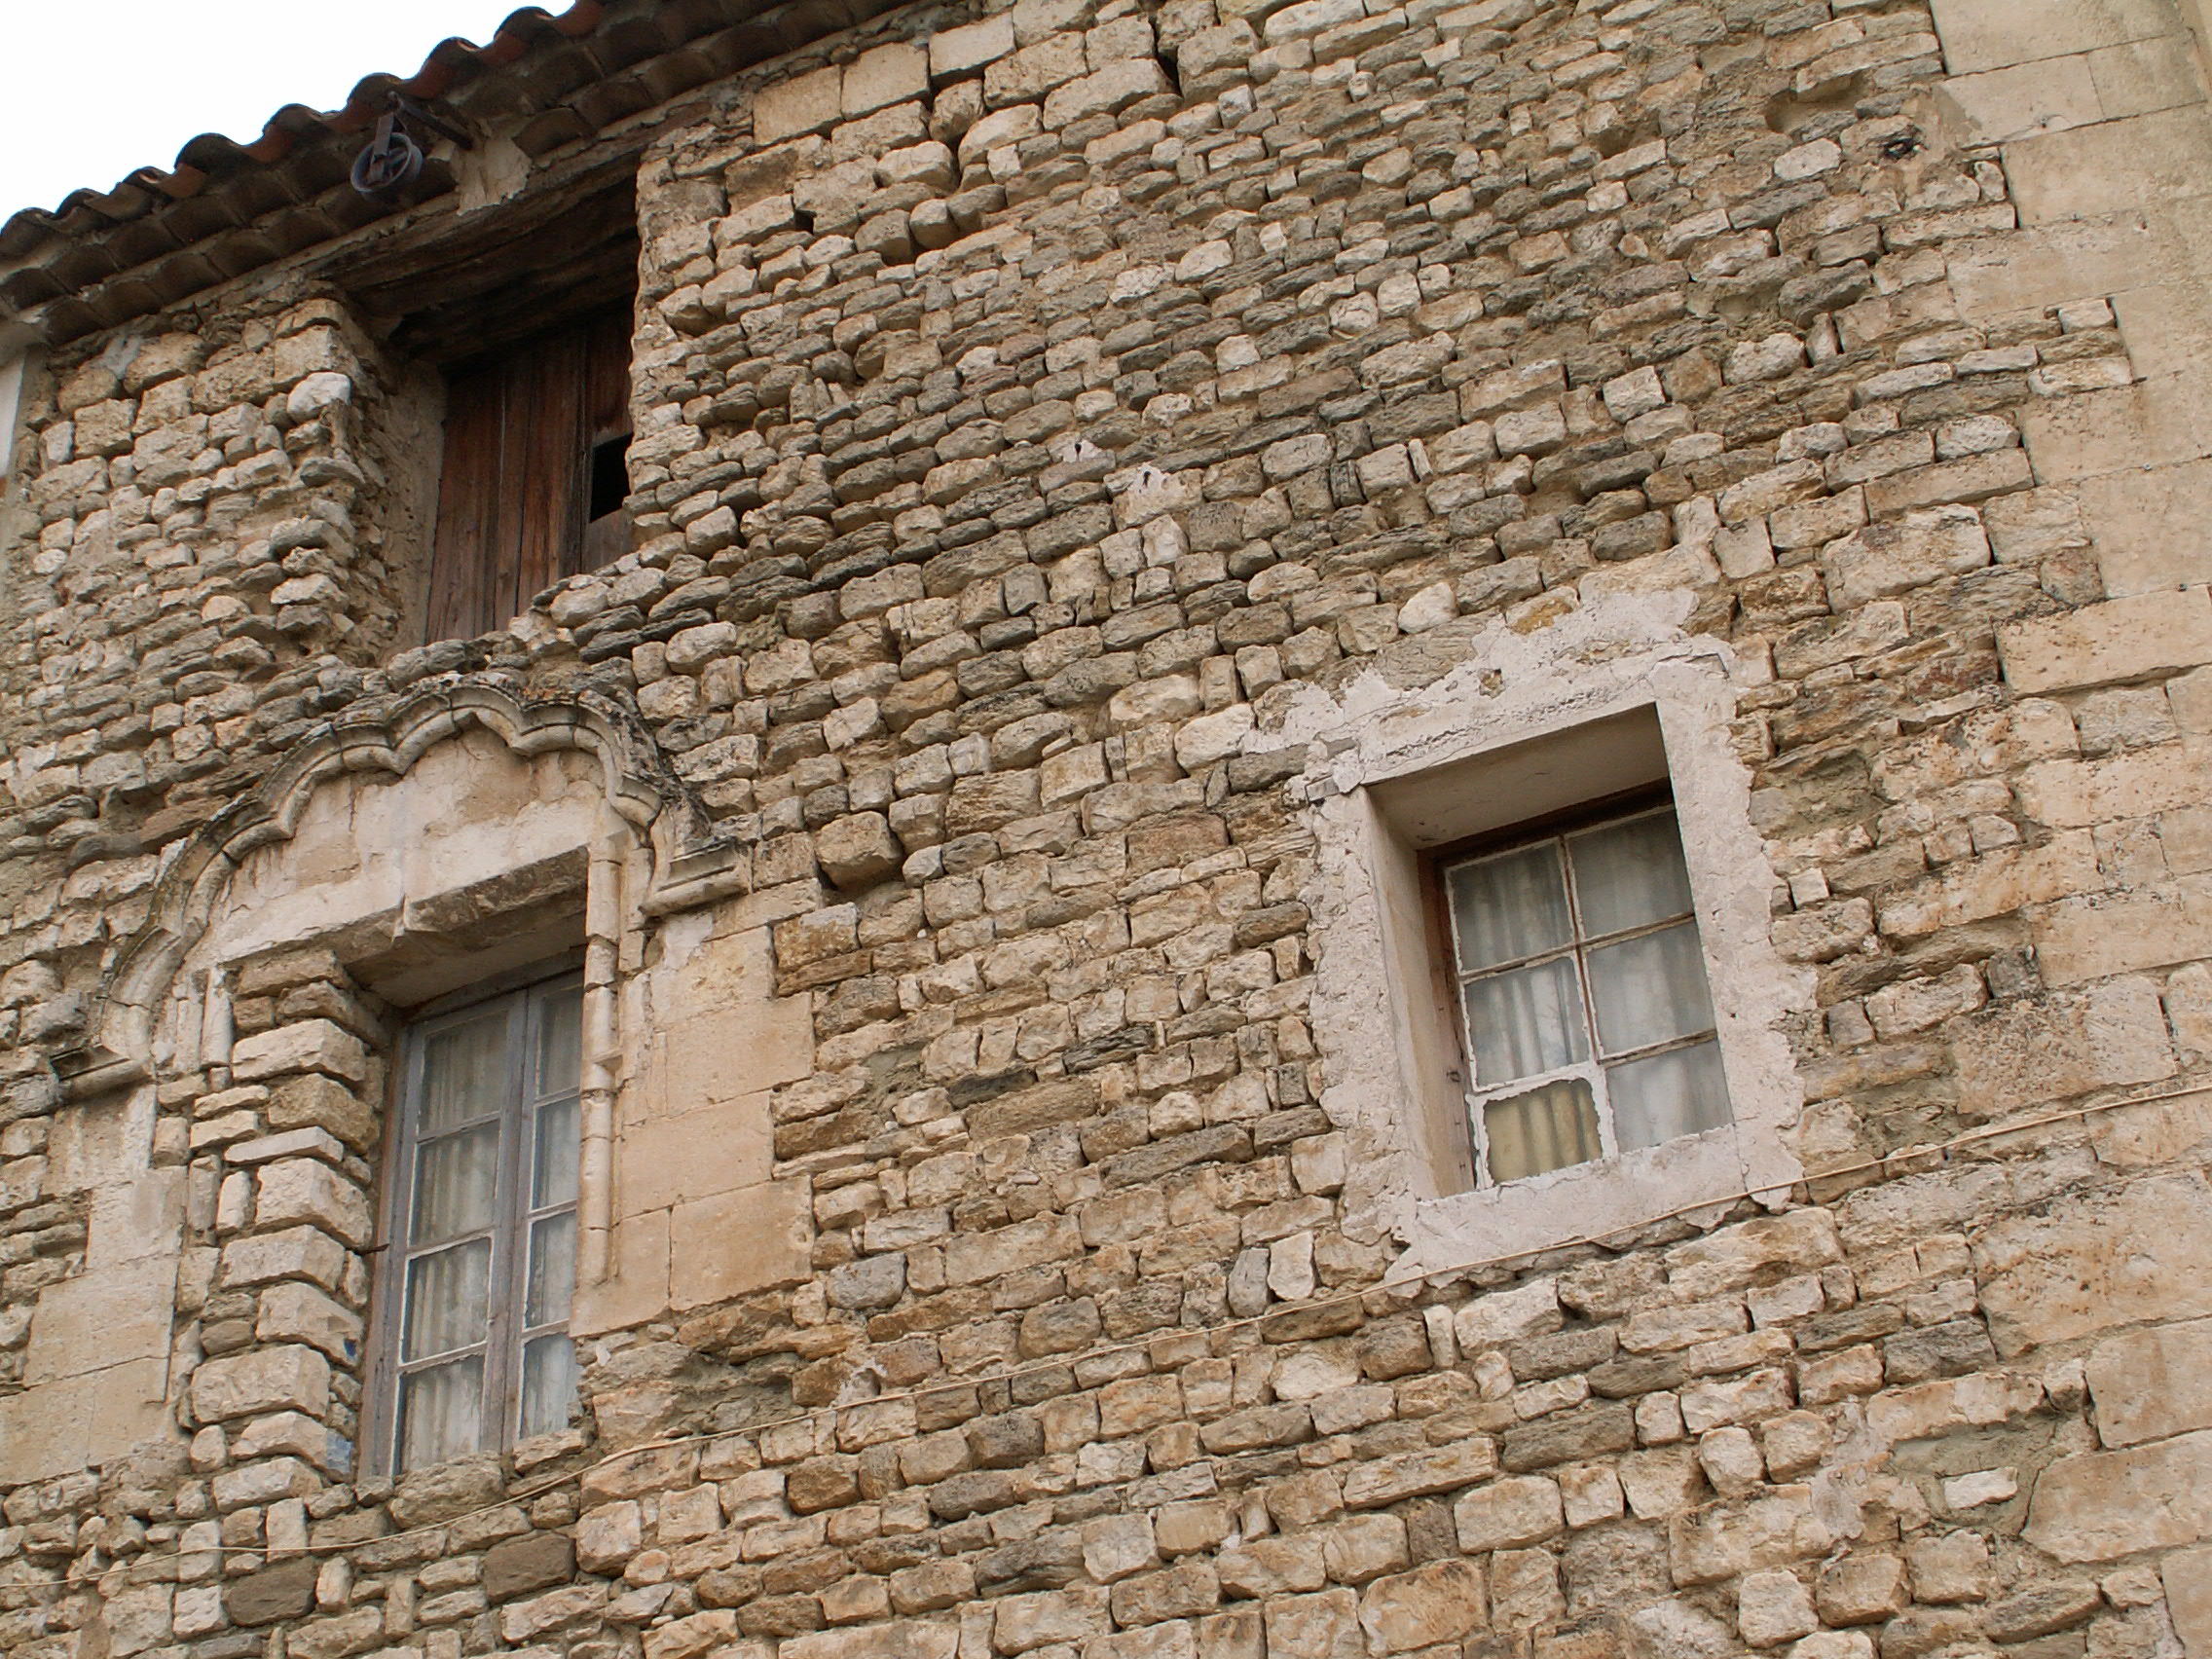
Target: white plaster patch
1385	1038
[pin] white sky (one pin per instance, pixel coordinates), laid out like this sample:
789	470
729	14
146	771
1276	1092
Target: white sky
97	89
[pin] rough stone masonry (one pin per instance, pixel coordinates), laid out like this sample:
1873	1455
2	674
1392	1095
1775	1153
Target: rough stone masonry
1082	454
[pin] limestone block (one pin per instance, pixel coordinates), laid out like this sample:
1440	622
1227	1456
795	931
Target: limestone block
1736	1256
1500	1316
2149	1385
274	1594
637	1288
2096	1259
521	1621
885	75
928	163
1414	1474
670	1157
737	1242
2101	645
897	1638
102	1317
1882	559
1726	1541
1106	91
307	1190
2044	1050
728	1034
858	851
287	1377
2139	162
305	1046
800	104
2167	324
297	1252
2013	102
1441	1602
1949	1569
320	1102
294	1312
1027	75
2153	422
1984	34
972	1258
2101	1505
1773	1607
285	1434
1072	1614
970	47
1322	1626
2189	1600
317	394
2099	934
44	1430
2140	783
535	1560
2153	529
1507	1514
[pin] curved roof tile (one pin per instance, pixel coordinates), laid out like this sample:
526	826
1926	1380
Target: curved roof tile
161	233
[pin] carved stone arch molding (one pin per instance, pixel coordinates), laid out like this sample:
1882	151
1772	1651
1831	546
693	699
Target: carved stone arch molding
689	865
228	1104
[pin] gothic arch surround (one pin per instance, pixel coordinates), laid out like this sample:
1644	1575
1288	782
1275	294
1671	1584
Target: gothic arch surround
687	864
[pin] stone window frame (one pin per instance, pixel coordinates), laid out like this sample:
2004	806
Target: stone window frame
1548	723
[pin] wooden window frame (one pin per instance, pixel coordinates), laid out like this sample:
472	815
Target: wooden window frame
525	994
1449	980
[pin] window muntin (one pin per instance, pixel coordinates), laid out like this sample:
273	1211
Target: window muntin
1581	997
484	1225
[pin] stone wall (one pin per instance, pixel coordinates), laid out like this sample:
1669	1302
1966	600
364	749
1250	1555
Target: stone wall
1068	438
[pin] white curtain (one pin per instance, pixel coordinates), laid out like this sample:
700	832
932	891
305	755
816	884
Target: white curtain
1664	1096
1547	1128
1509	908
441	1412
1649	989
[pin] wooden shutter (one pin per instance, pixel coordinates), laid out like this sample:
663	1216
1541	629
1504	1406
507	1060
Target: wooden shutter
511	500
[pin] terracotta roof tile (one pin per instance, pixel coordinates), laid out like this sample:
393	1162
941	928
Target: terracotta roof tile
160	234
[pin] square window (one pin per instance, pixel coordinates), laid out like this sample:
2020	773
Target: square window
481	1240
1546	995
1582	1000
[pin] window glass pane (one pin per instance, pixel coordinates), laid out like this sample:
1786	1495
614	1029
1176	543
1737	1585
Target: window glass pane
1662	1096
559	1144
548	1384
446	1305
457	1183
464	1073
1628	875
441	1412
1547	1128
1509	907
552	1269
1649	989
559	1041
1526	1021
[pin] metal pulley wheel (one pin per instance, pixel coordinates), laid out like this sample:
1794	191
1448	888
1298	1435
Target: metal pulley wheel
390	164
